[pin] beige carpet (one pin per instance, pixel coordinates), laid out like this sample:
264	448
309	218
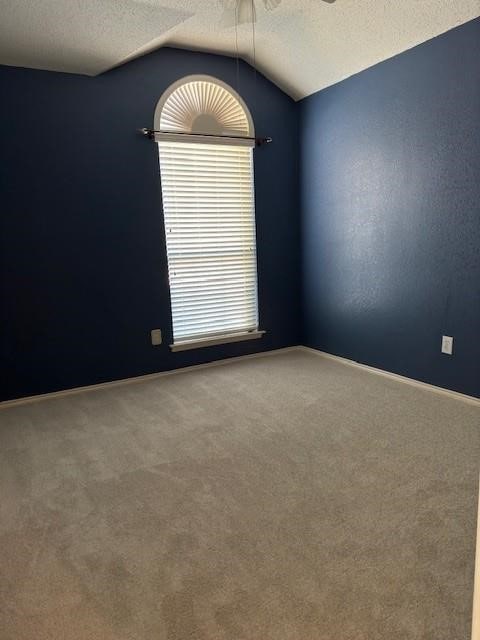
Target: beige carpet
281	498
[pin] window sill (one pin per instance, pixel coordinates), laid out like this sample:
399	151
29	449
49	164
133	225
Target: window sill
215	340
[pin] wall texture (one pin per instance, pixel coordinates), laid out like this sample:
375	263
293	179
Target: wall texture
390	198
83	264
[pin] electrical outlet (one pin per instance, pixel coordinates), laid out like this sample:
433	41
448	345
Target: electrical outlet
447	345
156	337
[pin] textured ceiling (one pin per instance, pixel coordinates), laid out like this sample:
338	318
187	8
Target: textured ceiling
302	45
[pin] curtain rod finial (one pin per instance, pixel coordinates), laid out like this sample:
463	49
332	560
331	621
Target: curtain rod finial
147	132
262	141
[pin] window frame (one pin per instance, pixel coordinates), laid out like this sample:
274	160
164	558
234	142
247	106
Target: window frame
246	137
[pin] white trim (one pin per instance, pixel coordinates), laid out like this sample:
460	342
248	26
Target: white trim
394	376
215	363
198	343
149	376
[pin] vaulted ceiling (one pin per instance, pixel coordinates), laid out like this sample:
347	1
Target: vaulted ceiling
302	45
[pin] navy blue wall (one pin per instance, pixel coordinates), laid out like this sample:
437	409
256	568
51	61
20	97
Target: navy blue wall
83	264
390	193
390	197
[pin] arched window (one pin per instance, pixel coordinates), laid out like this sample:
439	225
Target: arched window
205	138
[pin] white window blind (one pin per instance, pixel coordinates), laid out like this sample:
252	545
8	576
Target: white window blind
208	205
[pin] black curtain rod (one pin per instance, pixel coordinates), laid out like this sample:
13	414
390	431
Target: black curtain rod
150	133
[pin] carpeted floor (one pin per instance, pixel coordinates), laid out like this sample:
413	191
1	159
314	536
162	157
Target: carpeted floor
286	497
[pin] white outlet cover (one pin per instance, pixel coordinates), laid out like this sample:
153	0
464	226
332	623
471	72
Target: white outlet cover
447	345
156	337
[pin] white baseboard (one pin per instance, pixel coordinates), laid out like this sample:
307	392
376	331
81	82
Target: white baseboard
394	376
142	378
216	363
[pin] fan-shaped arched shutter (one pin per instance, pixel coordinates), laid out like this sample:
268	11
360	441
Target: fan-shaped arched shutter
203	106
